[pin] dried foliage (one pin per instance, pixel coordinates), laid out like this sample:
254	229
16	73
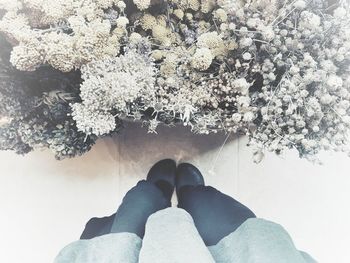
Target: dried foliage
276	70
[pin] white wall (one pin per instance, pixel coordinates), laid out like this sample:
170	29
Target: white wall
45	203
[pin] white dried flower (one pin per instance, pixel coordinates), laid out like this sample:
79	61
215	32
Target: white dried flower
339	12
236	117
248	116
135	38
92	122
309	20
212	41
202	59
121	5
122	22
299	4
179	13
142	4
241	85
247	56
207	5
187	4
334	82
220	14
245	42
267	32
148	21
26	58
110	85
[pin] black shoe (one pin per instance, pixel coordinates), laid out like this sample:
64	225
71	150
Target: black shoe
187	174
162	174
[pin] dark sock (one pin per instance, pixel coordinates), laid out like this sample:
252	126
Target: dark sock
215	214
138	204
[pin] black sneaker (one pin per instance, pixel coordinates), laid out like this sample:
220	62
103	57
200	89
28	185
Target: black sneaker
162	174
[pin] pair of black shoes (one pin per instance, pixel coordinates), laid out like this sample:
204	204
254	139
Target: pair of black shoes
167	176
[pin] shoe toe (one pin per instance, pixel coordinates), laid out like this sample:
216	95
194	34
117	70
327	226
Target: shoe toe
163	170
188	174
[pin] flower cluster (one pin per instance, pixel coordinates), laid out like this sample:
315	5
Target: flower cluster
112	88
304	100
277	71
34	108
64	34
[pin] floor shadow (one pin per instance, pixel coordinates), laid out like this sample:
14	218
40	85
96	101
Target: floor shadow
177	142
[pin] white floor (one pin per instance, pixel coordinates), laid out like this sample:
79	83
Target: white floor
45	203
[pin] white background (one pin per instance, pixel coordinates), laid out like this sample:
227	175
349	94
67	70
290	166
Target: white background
45	203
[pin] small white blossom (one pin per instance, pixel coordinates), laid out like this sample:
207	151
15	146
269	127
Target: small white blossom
334	82
247	56
300	4
122	21
339	12
202	59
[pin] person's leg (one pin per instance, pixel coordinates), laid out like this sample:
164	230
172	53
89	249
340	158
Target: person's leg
97	227
215	214
138	204
147	197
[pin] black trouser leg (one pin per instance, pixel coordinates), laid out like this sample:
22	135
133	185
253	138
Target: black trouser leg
138	204
215	214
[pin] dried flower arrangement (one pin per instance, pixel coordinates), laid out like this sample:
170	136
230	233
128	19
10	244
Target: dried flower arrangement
275	70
